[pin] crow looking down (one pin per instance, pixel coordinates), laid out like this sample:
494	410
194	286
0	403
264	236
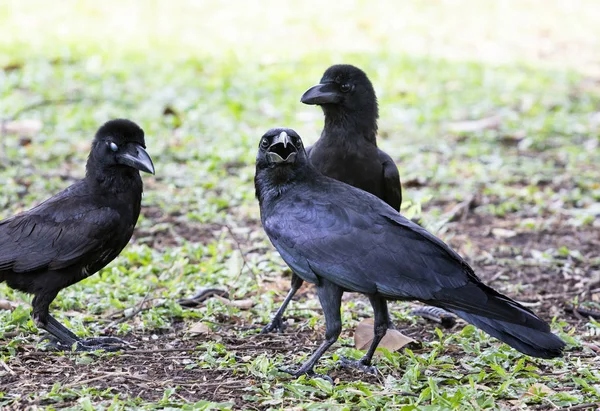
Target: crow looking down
342	239
78	231
347	149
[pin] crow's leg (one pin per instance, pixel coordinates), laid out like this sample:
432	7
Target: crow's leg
42	319
277	322
380	328
62	338
330	296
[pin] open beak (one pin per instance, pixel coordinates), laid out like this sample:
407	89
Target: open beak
135	156
282	150
326	93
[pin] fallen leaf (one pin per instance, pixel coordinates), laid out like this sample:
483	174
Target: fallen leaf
12	66
245	304
537	389
7	305
23	127
393	339
503	233
199	328
591	346
469	126
481	387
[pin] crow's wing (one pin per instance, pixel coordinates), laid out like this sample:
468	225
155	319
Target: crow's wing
355	240
392	190
57	234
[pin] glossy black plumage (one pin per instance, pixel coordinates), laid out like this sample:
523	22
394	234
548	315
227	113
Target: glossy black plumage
80	230
345	239
347	149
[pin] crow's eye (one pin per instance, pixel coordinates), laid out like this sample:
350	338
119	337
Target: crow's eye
264	143
346	87
113	147
298	143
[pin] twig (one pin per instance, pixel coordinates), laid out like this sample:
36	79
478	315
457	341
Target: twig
7	368
139	308
584	312
239	247
587	405
122	352
103	376
461	210
203	295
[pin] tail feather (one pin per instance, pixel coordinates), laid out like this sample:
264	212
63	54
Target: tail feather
536	343
503	318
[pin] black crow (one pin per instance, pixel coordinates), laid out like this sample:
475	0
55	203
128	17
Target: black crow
78	231
347	149
342	239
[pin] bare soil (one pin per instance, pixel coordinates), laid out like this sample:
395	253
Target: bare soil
167	360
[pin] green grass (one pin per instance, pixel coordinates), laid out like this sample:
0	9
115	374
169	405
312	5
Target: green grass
231	72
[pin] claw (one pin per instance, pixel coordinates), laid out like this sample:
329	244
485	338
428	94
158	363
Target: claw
310	374
276	324
109	344
360	364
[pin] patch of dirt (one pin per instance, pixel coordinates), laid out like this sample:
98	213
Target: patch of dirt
170	230
158	363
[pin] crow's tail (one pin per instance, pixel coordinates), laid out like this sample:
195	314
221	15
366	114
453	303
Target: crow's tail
505	319
529	341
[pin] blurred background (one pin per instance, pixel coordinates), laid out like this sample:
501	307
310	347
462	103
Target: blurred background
490	109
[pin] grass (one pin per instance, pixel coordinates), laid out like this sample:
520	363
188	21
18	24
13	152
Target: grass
205	81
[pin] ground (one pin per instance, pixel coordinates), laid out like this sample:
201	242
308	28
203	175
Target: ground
489	110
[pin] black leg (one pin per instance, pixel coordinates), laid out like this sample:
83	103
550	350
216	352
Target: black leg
277	322
62	338
382	320
330	296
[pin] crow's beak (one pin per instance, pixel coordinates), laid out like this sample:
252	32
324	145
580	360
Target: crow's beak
135	156
326	93
282	150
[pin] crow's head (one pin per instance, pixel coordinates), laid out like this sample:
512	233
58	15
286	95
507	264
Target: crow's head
343	89
280	147
281	160
120	143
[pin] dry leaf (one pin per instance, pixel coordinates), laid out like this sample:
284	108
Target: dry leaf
23	127
199	328
537	389
393	339
503	233
241	304
487	123
7	305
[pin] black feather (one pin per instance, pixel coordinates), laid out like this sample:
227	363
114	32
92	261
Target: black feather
332	233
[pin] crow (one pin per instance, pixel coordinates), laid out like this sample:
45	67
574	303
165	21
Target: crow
347	149
77	232
341	238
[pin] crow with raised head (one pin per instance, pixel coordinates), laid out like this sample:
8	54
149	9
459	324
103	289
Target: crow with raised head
341	238
347	149
78	231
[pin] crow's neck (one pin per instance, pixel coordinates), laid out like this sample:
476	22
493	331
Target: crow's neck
114	180
340	124
273	183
